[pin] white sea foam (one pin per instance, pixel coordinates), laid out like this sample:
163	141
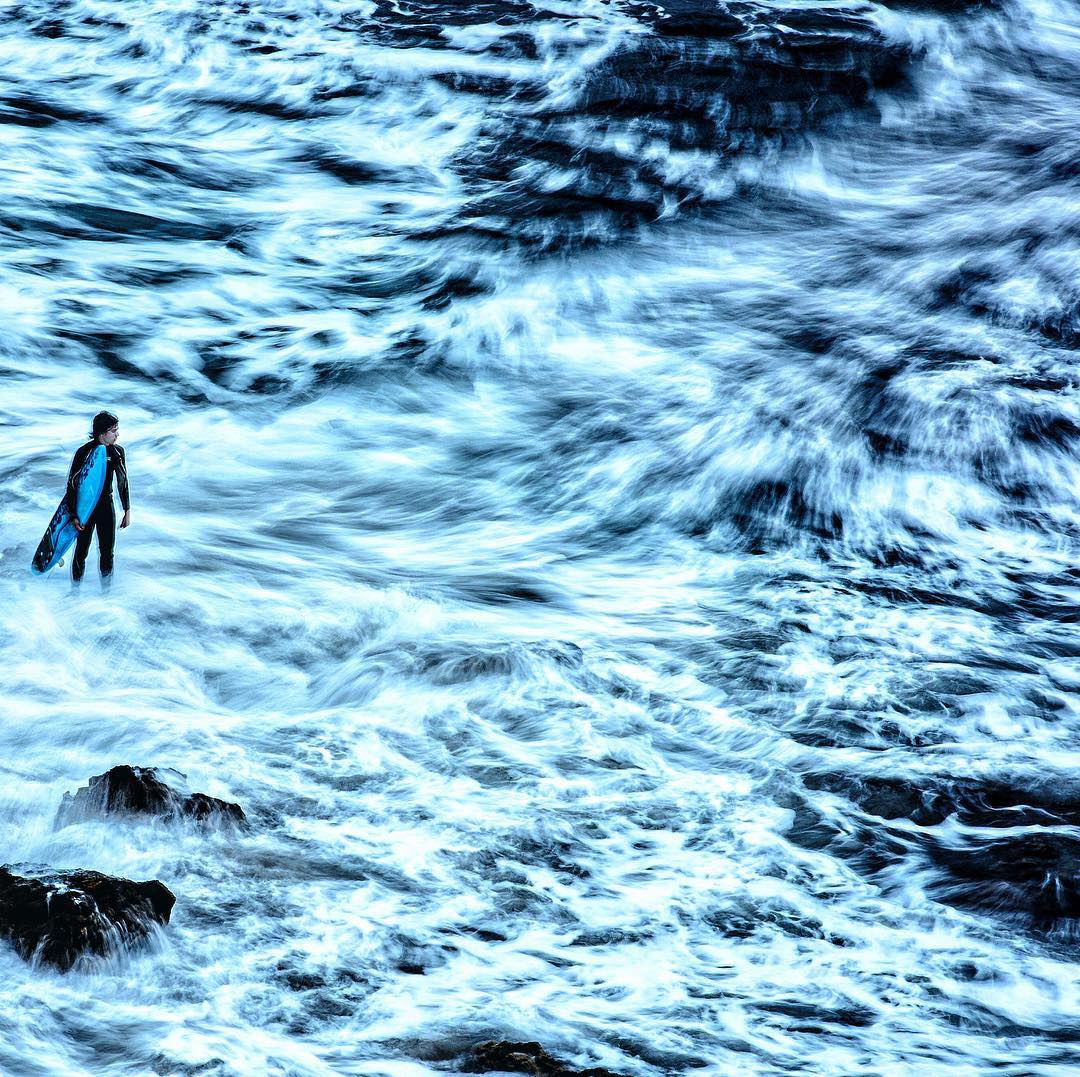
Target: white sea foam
604	504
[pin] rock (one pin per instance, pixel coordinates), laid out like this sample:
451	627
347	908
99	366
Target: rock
126	790
61	916
497	1056
1027	872
1033	875
1022	800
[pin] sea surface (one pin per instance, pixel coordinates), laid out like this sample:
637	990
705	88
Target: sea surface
604	482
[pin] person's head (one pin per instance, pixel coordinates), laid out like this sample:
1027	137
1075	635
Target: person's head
106	428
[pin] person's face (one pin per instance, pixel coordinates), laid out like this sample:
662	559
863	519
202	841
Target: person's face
110	435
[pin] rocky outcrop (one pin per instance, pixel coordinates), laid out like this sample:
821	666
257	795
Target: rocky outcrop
497	1056
127	790
58	917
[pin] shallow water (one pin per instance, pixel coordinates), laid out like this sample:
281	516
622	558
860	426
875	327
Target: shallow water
604	493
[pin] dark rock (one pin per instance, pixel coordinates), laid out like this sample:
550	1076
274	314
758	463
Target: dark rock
852	1016
610	936
497	1056
1034	875
62	916
126	790
1029	873
1028	800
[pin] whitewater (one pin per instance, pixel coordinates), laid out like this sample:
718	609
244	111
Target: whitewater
604	502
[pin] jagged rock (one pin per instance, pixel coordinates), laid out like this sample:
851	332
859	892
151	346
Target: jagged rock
58	917
497	1056
144	791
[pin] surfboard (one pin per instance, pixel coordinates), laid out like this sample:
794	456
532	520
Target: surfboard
61	533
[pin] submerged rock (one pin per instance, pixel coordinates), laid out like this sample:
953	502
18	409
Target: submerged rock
1021	800
62	916
1033	874
1011	850
497	1056
127	790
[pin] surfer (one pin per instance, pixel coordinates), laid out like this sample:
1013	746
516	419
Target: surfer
105	431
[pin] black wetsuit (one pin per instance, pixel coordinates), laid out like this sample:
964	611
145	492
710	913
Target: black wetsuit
103	518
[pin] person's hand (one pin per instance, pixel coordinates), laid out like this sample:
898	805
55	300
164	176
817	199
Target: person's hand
126	520
75	521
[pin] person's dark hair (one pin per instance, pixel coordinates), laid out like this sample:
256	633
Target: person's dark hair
102	422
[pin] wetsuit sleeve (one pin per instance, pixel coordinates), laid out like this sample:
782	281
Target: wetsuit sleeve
77	462
120	470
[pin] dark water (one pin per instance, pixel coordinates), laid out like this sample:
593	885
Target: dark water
604	501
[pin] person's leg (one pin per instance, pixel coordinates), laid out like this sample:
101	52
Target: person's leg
82	548
105	521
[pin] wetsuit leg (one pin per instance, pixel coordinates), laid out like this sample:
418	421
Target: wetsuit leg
82	548
105	520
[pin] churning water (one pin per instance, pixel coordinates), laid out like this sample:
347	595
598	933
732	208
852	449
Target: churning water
604	502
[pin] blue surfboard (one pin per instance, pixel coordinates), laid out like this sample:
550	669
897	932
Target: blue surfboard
61	533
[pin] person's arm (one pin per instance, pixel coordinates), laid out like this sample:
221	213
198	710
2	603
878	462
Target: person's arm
120	470
77	462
